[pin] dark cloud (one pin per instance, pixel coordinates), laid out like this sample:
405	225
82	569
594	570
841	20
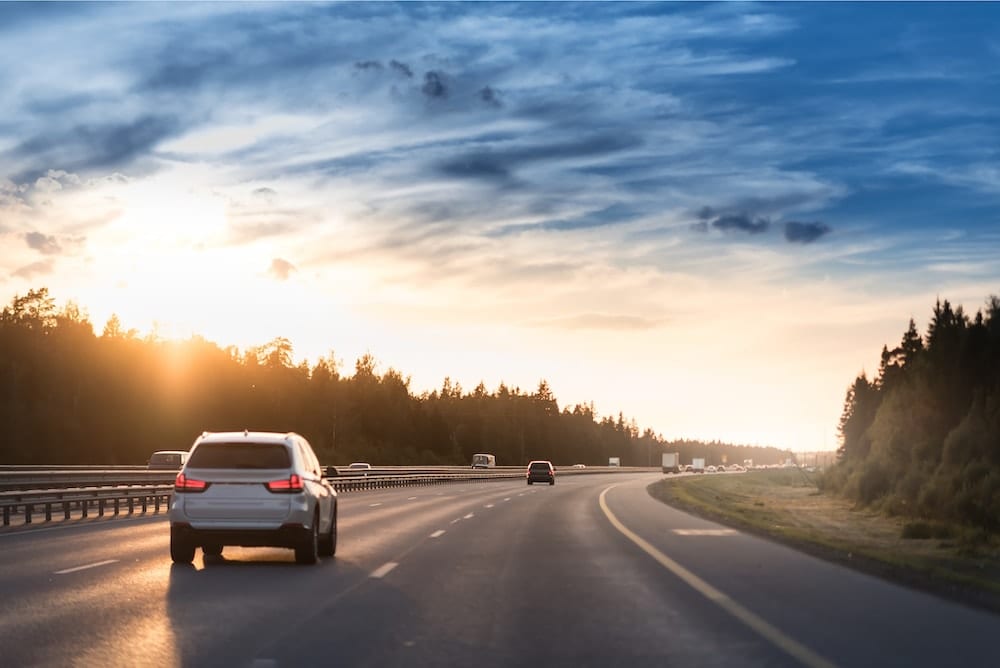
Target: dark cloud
40	268
805	233
499	165
434	86
265	192
368	65
102	146
281	269
730	221
45	245
402	68
490	97
741	223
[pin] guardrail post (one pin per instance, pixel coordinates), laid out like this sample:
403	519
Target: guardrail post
27	513
116	506
145	501
156	501
66	505
6	516
131	505
48	511
85	508
100	507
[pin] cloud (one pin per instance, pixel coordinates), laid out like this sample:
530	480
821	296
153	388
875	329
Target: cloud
94	146
499	165
40	268
45	245
434	86
402	68
264	192
281	269
54	180
614	214
601	321
741	223
368	65
490	97
805	233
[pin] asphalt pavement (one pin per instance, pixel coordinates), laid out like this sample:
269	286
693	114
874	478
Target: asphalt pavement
589	572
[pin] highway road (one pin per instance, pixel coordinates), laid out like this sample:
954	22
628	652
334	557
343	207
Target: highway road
589	572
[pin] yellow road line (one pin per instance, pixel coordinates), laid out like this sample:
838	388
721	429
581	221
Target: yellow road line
803	654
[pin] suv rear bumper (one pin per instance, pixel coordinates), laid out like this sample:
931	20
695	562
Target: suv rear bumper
287	535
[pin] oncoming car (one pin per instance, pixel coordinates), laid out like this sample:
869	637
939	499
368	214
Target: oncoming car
541	471
252	489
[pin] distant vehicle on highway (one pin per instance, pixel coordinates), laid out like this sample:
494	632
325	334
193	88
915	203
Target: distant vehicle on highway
711	469
671	462
252	489
167	460
579	466
541	471
614	461
484	461
360	466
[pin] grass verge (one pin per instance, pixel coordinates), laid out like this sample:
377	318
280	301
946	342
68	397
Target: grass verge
786	505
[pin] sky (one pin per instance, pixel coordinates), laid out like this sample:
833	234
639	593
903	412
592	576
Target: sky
709	217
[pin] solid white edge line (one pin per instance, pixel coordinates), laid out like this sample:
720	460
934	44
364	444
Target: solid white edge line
438	533
763	628
383	570
83	568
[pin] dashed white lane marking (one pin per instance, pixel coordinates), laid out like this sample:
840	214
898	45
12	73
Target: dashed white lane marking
438	533
507	499
455	521
83	568
488	505
705	532
412	498
521	494
383	570
372	505
469	516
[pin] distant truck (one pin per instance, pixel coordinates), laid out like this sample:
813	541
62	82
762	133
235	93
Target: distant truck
671	462
698	464
484	461
614	461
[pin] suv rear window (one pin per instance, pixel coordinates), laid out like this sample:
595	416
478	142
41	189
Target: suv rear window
540	466
240	456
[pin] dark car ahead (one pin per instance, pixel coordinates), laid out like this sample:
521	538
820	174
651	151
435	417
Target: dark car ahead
541	471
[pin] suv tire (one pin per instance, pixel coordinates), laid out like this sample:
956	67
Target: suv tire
181	550
307	552
328	543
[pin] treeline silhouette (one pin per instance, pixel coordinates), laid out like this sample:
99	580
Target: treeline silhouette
69	396
922	439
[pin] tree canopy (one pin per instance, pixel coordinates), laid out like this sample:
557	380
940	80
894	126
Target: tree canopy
70	396
923	438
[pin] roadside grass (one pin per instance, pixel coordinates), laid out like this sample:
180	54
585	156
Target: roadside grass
786	505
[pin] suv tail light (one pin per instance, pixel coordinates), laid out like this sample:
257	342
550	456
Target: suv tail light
290	485
185	484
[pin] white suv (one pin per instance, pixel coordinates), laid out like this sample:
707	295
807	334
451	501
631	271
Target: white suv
252	489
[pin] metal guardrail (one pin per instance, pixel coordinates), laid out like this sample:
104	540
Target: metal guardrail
114	498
